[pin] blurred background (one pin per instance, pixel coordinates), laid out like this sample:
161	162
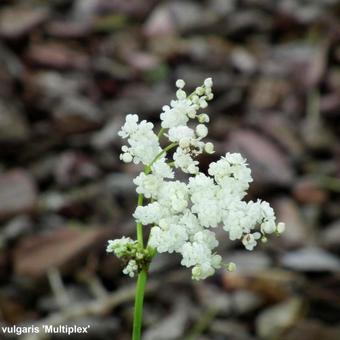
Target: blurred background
69	73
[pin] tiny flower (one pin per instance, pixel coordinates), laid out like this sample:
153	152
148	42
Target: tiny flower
249	240
210	96
180	83
202	103
180	94
207	91
268	226
192	169
203	118
208	82
176	134
209	148
281	227
149	214
191	112
148	185
201	130
185	162
126	157
184	143
199	91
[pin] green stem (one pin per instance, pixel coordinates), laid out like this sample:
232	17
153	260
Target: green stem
139	226
160	133
142	276
147	169
139	299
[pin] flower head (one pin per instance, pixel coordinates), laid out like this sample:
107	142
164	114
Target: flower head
182	213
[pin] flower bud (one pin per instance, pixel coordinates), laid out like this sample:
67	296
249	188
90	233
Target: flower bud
196	272
199	91
208	82
210	96
201	130
180	83
180	94
209	148
203	118
184	143
126	157
195	99
192	169
281	227
191	112
207	91
202	103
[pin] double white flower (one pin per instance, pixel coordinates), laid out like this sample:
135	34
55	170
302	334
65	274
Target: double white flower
182	214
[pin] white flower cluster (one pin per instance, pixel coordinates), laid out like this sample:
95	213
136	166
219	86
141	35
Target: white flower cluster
143	143
119	246
131	268
182	215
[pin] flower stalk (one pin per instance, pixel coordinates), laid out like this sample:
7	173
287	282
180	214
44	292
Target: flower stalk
139	300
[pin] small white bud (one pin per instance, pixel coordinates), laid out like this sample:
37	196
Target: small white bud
180	83
208	82
180	94
202	103
268	227
126	157
192	169
191	113
203	118
184	143
281	227
196	272
209	148
216	261
201	130
207	91
195	99
199	91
